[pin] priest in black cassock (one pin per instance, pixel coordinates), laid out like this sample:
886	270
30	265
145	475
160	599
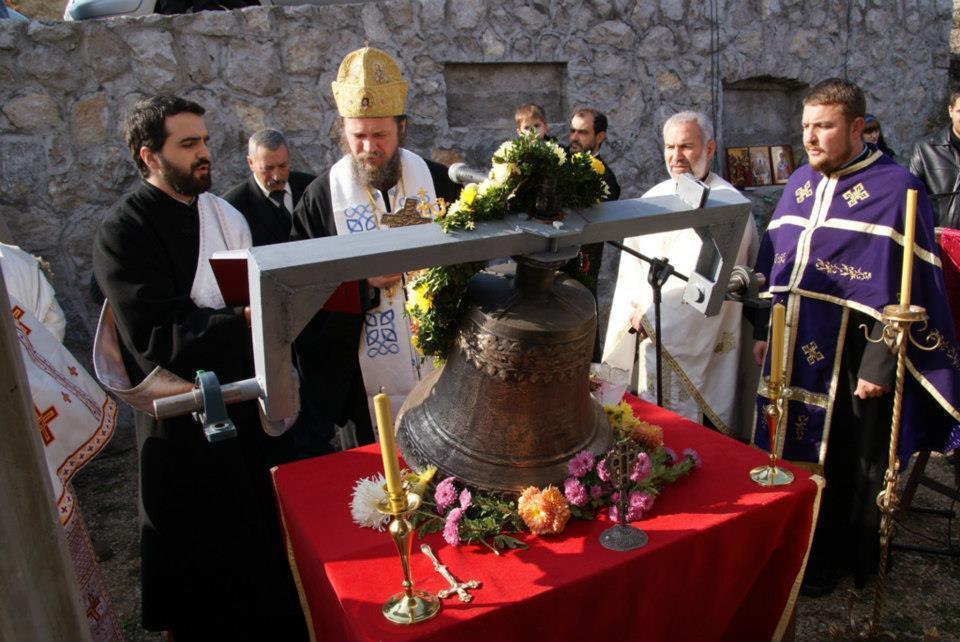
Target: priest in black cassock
213	564
267	198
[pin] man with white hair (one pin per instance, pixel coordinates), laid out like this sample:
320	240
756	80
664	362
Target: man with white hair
701	355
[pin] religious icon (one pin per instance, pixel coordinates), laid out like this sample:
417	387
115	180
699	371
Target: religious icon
782	157
365	103
738	167
760	166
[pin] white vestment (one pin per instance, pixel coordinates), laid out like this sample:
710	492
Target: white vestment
388	358
21	273
701	355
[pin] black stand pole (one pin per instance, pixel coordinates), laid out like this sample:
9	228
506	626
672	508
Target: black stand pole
660	271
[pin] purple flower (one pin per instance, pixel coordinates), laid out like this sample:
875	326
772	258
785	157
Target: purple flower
694	455
640	503
642	468
581	464
602	471
574	491
445	495
451	527
465	499
672	454
596	492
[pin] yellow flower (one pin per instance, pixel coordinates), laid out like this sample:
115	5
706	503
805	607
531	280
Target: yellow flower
544	512
597	165
420	297
468	194
418	480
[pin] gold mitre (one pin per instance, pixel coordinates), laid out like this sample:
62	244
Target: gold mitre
369	85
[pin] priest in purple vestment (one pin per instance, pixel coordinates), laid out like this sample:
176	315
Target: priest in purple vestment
832	253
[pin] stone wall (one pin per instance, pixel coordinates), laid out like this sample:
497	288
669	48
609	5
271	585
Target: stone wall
65	86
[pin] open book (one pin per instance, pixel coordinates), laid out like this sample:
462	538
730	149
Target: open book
230	269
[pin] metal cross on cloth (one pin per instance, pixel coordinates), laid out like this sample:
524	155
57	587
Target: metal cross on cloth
460	588
620	462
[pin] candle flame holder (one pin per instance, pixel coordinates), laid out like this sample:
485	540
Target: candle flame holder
898	325
409	606
771	474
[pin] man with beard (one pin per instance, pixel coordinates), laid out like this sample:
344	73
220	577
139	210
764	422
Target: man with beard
375	177
213	564
701	355
267	198
832	255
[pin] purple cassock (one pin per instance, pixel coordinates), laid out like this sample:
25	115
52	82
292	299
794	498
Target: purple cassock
835	244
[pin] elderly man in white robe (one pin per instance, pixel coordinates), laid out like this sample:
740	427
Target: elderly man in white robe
704	360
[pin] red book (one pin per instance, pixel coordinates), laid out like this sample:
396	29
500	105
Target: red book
230	269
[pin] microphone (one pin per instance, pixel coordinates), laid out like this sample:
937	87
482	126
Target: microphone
461	173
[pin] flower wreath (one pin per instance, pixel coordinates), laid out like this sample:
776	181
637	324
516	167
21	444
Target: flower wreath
518	167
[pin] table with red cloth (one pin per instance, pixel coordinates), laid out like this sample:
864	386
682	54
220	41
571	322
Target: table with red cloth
723	562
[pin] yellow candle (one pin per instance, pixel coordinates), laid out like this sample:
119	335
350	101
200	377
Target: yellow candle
909	230
388	446
776	343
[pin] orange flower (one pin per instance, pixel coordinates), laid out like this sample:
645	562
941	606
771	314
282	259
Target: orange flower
648	435
544	512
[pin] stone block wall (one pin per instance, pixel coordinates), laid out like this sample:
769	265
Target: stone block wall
64	87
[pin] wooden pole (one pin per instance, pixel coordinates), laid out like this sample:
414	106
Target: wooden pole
39	595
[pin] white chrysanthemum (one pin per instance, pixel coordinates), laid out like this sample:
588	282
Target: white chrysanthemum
484	187
500	172
503	149
367	492
561	155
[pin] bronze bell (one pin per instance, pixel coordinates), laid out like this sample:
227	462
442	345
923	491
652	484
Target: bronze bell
512	403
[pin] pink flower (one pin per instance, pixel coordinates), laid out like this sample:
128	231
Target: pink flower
445	495
642	468
638	503
451	527
596	492
581	464
694	455
672	454
602	471
466	499
574	491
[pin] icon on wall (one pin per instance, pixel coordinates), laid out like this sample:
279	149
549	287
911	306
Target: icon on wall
782	157
738	167
760	165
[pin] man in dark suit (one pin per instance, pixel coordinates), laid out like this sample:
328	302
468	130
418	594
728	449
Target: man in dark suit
268	196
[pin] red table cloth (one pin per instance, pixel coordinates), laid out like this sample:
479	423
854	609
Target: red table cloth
723	562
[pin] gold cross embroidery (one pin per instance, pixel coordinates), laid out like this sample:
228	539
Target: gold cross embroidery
804	192
812	352
856	194
780	258
43	423
800	426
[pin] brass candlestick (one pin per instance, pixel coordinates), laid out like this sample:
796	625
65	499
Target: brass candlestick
408	606
771	474
898	320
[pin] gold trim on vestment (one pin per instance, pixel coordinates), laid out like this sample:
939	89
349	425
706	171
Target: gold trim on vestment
882	230
292	561
791	604
793	393
834	379
788	219
705	408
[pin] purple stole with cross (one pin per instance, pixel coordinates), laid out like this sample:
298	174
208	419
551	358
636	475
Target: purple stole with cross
835	244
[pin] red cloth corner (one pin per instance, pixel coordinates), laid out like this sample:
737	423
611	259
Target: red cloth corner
723	557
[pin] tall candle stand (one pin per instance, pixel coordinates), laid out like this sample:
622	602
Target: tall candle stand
898	320
409	606
771	474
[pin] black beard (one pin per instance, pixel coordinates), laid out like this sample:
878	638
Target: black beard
381	178
184	182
